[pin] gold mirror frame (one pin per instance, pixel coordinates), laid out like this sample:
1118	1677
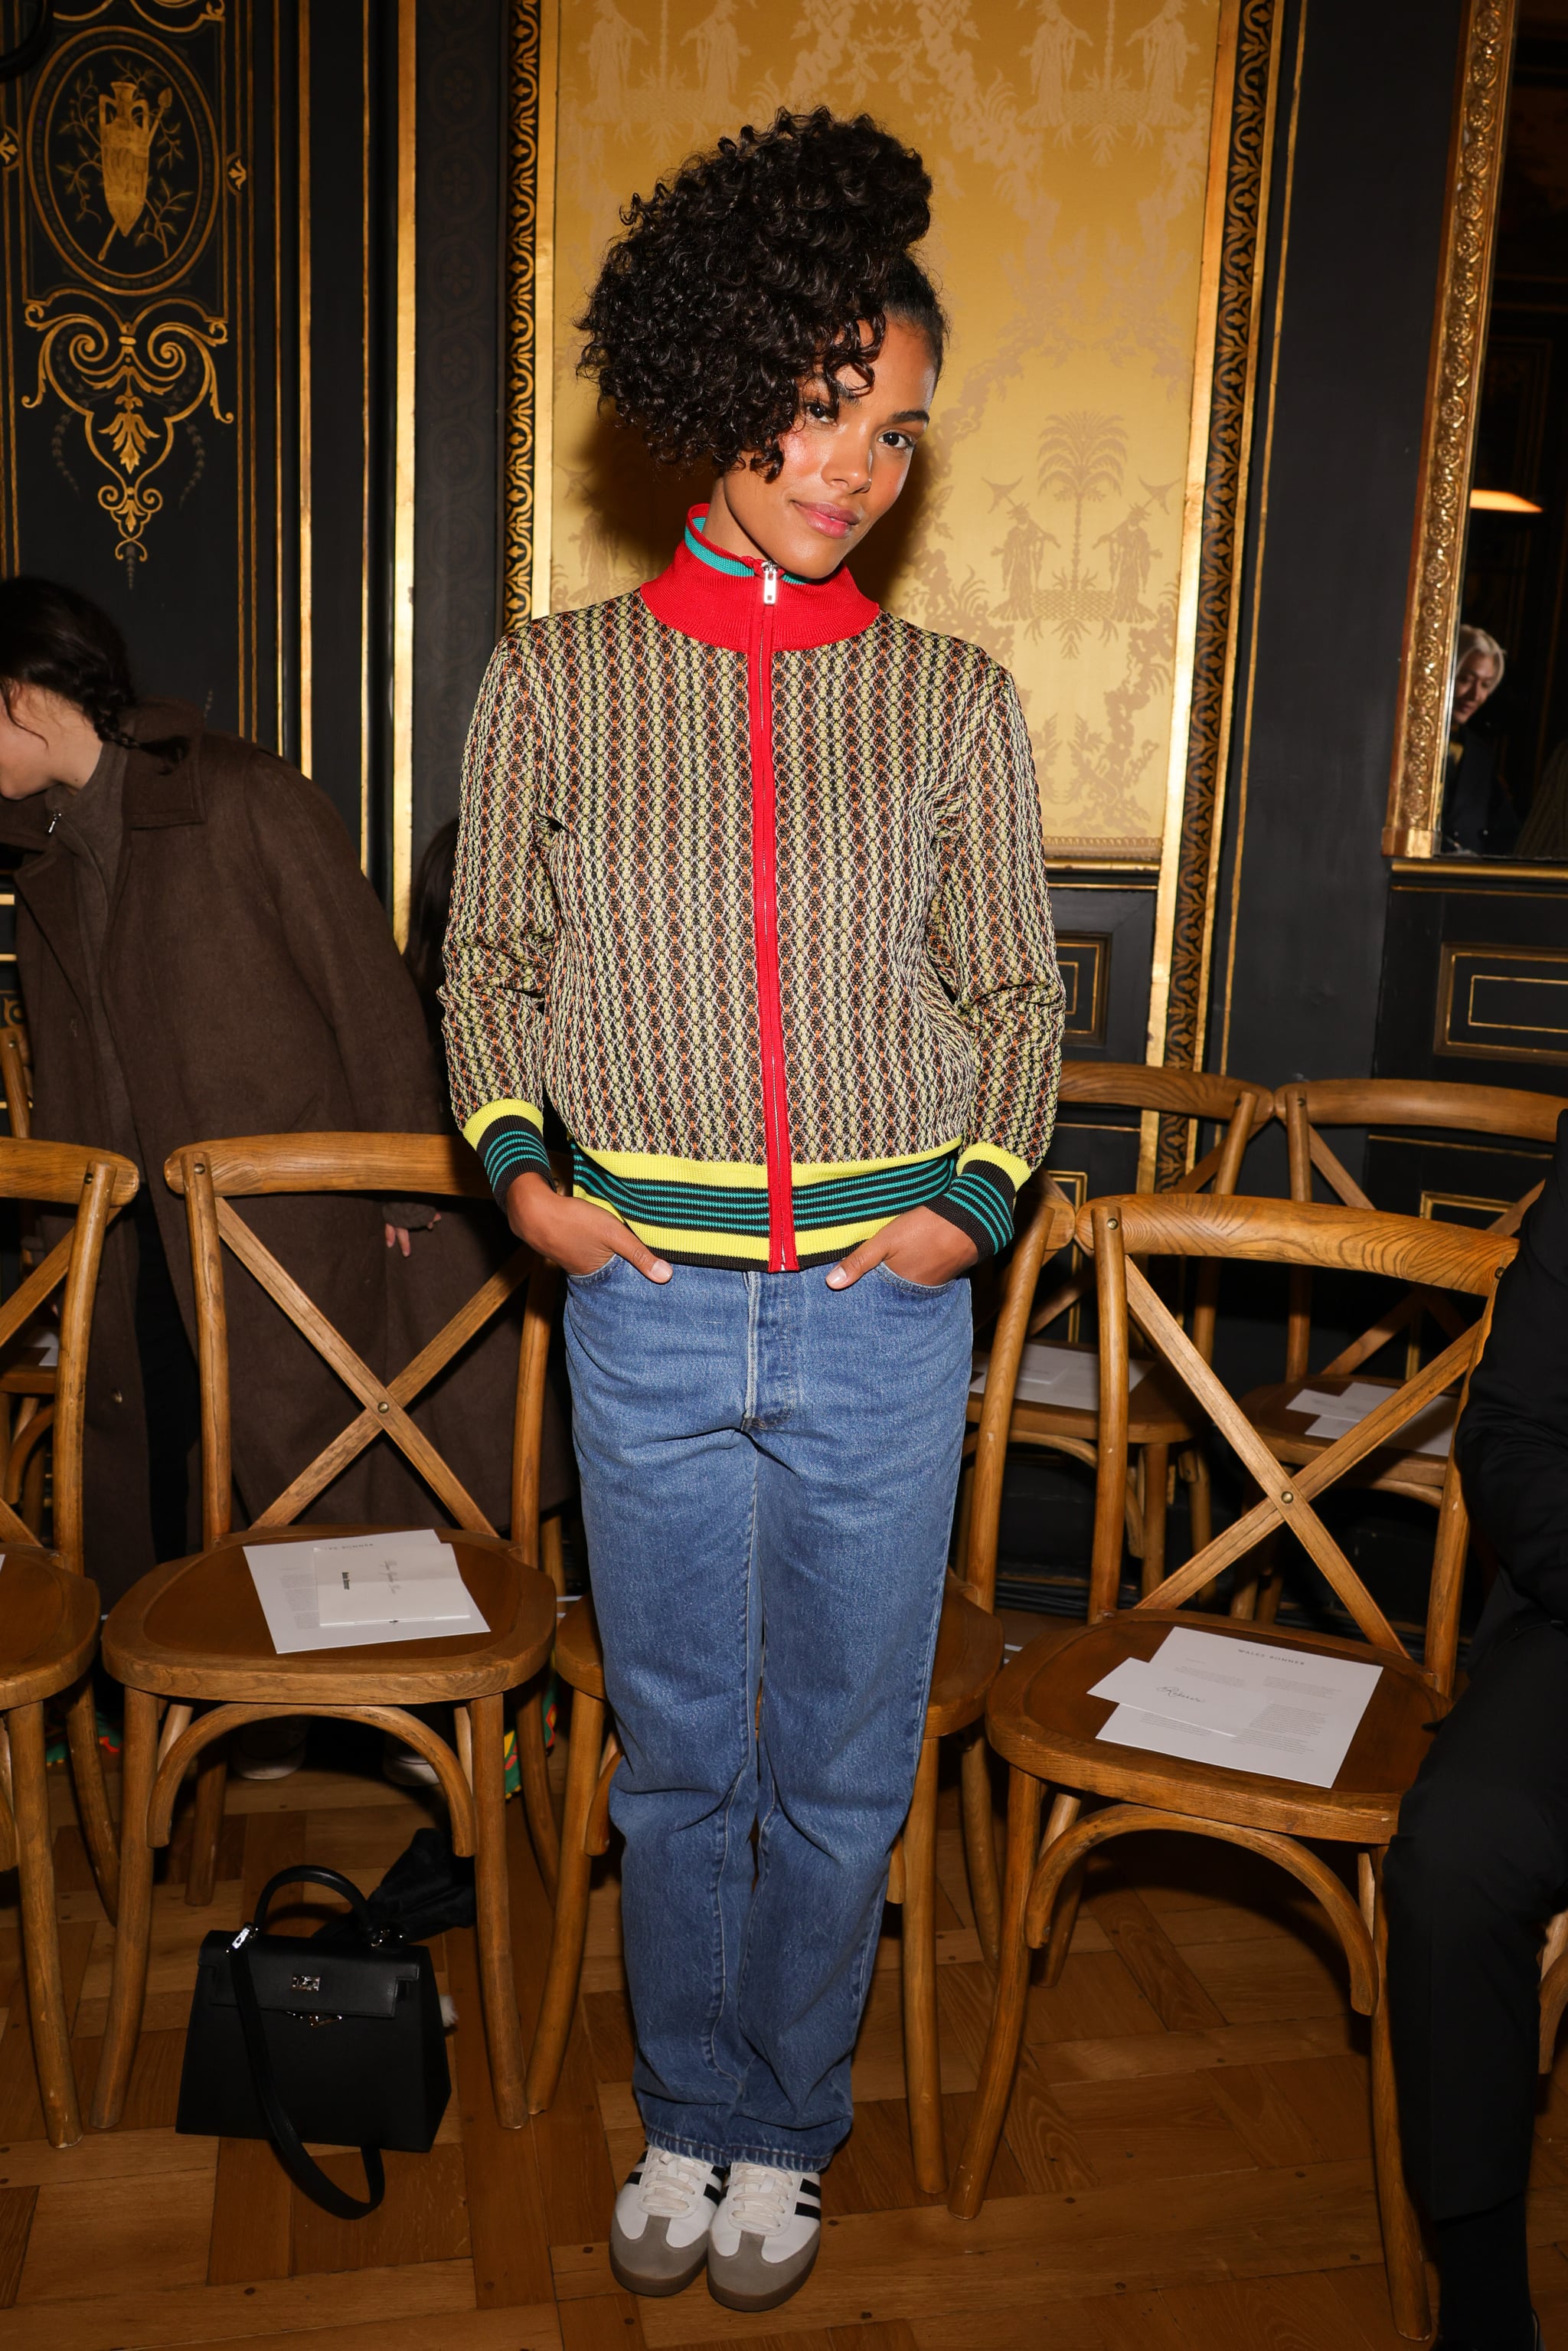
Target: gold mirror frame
1448	432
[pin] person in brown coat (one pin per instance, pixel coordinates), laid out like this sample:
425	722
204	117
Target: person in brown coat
200	956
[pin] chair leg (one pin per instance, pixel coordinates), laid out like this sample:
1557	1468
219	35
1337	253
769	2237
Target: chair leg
207	1828
1156	1476
1064	1916
534	1773
1006	2036
922	2053
569	1931
93	1798
980	1844
133	1930
1401	2230
503	2032
40	1928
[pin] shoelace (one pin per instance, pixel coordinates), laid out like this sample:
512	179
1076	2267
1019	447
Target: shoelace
670	2182
761	2200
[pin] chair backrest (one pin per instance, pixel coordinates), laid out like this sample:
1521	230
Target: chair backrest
212	1175
1281	1232
1237	1104
94	1186
1307	1106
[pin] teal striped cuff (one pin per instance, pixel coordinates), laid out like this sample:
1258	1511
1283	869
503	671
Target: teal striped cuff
510	1148
980	1203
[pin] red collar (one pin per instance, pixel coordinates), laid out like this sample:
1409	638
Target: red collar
718	607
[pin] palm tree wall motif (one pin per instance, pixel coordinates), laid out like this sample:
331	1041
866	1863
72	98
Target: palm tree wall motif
1082	461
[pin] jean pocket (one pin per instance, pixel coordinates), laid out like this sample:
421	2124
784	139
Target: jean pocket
598	1279
916	1289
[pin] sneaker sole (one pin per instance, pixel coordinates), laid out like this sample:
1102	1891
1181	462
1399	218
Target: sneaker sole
636	2282
734	2297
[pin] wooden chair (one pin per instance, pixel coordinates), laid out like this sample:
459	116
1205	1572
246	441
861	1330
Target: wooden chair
48	1609
968	1655
1160	1421
1043	1722
27	1378
1274	1410
194	1630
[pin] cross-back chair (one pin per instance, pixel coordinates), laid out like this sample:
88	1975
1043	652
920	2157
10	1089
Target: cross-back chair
1043	1722
27	1378
48	1609
968	1657
1159	1422
1306	1109
194	1630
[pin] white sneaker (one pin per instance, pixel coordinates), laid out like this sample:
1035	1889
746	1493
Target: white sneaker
272	1748
765	2236
658	2239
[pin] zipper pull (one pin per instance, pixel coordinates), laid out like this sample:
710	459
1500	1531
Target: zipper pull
771	583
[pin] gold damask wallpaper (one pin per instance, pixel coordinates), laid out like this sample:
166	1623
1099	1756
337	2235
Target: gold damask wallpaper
1068	140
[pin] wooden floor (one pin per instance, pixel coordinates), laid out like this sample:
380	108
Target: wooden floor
1187	2165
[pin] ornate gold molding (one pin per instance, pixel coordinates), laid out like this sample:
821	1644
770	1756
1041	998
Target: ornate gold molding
525	349
1244	156
1453	399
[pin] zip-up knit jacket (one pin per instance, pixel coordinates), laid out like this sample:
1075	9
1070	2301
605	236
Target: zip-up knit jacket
750	884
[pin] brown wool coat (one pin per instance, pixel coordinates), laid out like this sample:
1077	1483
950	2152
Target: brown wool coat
252	987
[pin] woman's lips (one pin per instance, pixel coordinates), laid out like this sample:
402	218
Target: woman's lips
828	520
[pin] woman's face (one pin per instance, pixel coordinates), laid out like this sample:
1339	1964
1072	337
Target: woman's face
840	474
44	740
1476	681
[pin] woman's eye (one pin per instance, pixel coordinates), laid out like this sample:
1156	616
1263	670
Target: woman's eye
902	441
819	412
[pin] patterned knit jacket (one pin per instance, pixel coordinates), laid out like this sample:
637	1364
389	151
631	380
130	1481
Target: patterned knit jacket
750	885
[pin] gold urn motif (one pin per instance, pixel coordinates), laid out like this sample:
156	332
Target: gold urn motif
127	126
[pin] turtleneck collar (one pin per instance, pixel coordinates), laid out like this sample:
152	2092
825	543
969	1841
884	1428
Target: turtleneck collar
712	595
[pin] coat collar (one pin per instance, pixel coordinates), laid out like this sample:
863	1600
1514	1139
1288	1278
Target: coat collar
713	596
160	788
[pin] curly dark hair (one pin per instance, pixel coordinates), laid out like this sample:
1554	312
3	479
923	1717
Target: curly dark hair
750	271
53	638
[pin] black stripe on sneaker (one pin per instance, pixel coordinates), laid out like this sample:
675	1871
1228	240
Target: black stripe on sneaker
634	2178
714	2192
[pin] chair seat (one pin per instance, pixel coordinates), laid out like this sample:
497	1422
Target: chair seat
969	1653
1058	1395
1283	1425
194	1629
32	1364
48	1626
1041	1717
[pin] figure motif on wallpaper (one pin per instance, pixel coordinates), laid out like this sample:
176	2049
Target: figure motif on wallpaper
1106	101
660	96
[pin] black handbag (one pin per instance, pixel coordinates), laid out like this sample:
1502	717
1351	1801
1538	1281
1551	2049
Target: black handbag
294	2037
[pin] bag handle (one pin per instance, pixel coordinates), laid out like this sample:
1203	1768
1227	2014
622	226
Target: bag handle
303	2169
310	1873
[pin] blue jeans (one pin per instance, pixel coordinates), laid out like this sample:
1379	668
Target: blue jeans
769	1469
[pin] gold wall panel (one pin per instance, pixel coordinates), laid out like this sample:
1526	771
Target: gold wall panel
1069	141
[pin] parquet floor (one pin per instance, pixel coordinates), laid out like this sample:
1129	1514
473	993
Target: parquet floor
1187	2166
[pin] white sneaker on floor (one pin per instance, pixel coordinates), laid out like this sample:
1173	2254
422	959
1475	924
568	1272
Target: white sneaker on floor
765	2236
405	1766
658	2239
271	1750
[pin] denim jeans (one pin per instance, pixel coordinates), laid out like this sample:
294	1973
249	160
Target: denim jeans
769	1469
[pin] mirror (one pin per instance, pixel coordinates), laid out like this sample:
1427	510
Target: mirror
1505	778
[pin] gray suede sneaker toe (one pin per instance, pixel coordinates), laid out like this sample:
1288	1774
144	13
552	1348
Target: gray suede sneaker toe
658	2238
765	2236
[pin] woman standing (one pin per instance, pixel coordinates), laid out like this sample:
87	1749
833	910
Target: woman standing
750	885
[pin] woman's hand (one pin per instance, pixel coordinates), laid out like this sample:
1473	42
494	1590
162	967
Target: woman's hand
920	1246
574	1233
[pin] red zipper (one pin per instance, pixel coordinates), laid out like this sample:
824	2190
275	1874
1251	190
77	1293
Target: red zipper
781	1258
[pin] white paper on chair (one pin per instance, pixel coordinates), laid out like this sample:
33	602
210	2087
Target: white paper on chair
1249	1705
285	1576
1431	1430
389	1579
1068	1377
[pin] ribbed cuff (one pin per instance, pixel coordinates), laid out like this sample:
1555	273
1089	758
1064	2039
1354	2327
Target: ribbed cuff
980	1203
511	1147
